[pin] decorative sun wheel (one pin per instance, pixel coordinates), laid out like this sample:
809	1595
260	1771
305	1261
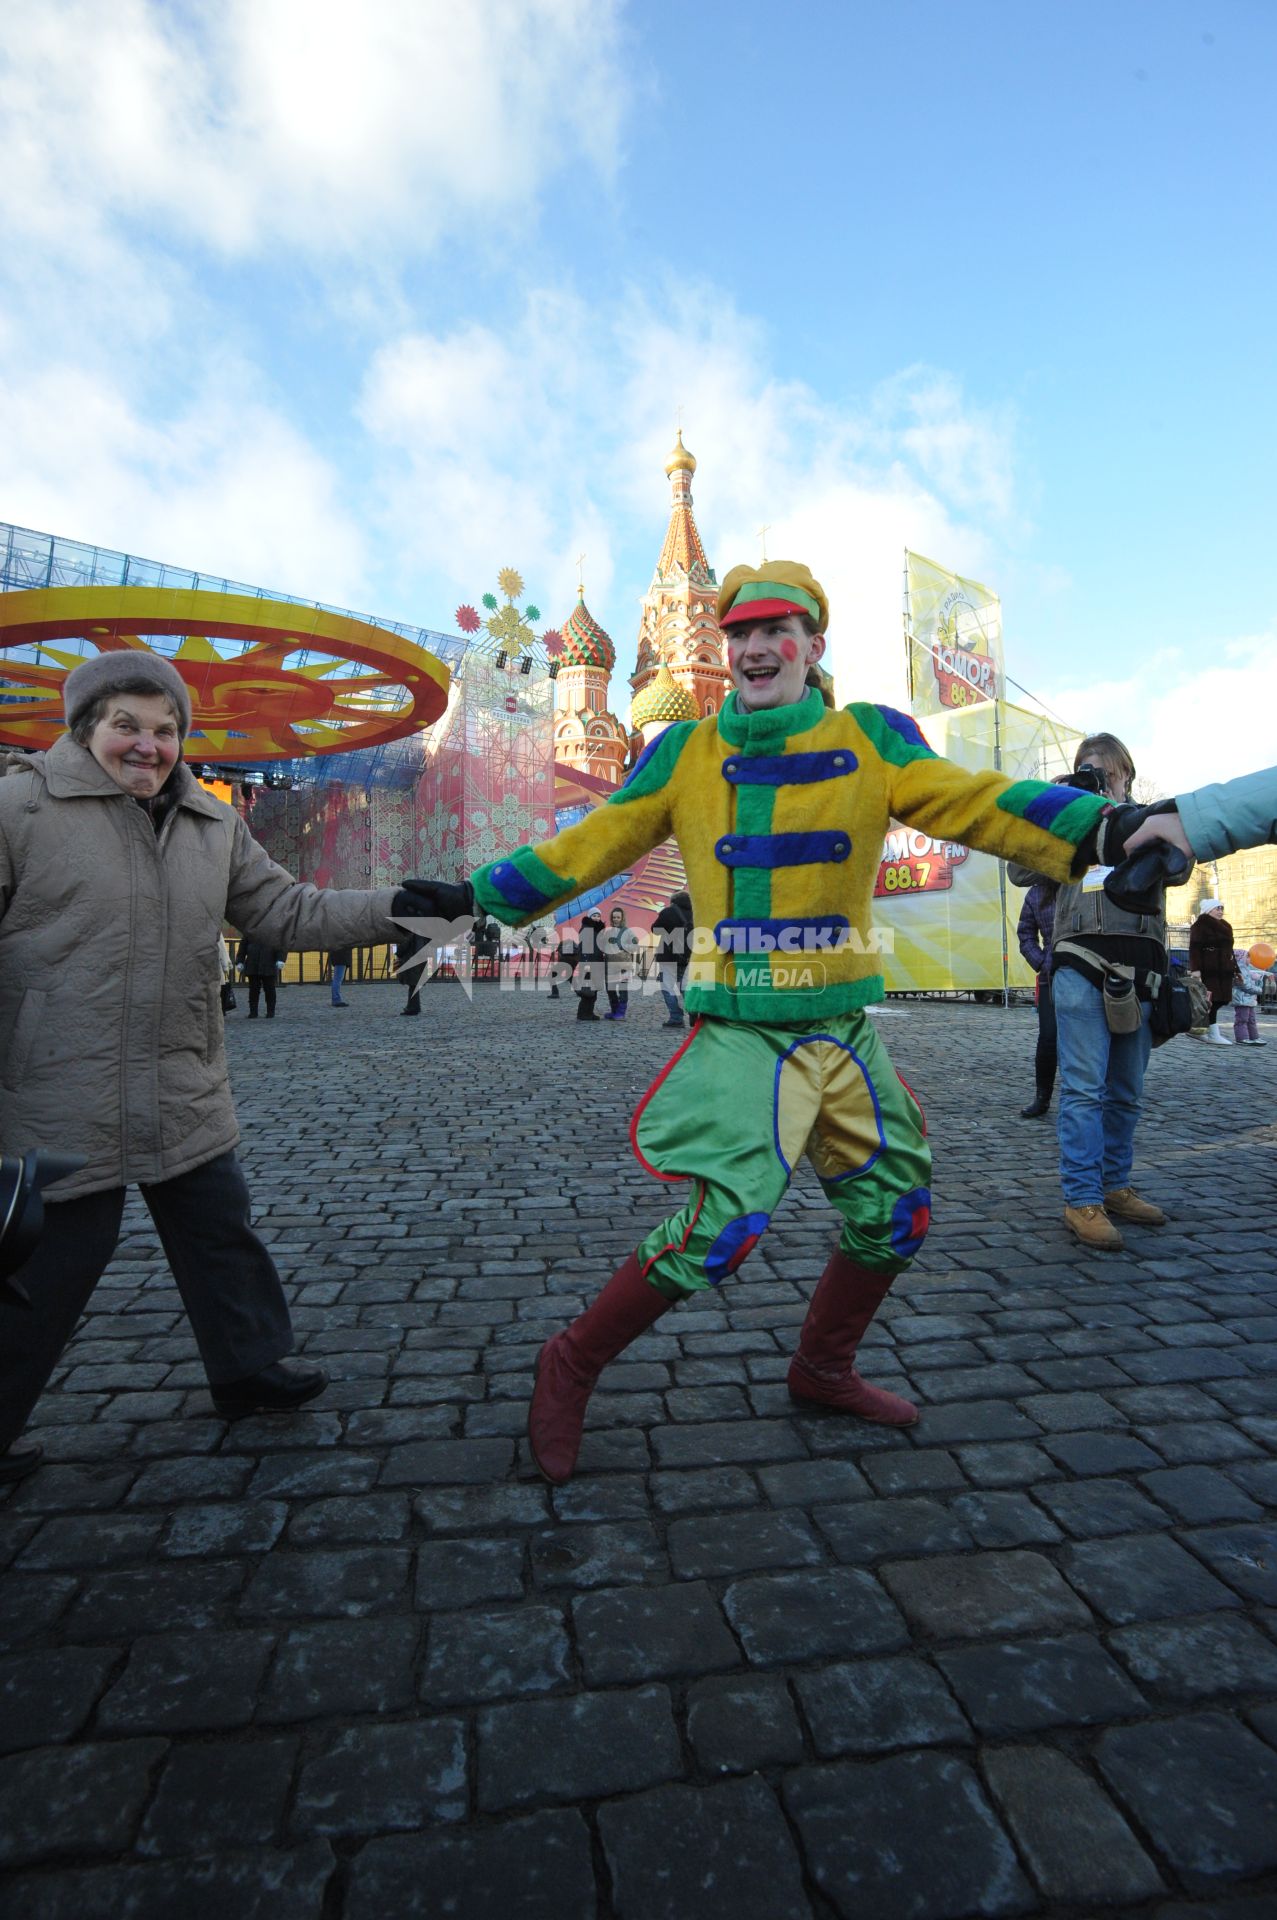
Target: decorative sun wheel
511	637
268	680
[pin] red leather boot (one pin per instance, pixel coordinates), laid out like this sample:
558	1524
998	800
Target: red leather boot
823	1370
570	1363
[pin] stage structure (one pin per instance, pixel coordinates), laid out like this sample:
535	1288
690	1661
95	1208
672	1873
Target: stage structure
363	750
359	750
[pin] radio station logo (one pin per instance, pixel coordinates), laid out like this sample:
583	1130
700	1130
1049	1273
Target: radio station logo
913	862
961	657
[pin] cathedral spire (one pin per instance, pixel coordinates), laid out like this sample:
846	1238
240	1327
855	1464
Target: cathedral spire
679	672
682	551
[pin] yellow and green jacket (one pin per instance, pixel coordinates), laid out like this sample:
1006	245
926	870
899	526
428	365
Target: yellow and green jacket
780	816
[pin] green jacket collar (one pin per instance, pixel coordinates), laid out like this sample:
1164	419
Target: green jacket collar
769	726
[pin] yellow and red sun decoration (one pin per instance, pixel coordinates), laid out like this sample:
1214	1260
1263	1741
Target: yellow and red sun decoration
268	680
511	637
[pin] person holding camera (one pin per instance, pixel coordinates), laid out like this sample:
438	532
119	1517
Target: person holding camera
1108	962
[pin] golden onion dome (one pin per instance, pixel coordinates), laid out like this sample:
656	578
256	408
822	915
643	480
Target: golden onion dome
680	460
661	701
585	644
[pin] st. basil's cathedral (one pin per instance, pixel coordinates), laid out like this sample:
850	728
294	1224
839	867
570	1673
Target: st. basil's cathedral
679	673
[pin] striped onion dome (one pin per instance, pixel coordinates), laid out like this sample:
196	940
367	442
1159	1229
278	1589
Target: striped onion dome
584	642
662	700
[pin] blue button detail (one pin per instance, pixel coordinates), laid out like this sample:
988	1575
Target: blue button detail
788	769
782	849
782	936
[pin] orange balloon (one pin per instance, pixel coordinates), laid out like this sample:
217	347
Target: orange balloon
1262	955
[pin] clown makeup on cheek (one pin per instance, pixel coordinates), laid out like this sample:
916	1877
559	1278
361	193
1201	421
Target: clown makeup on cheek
769	657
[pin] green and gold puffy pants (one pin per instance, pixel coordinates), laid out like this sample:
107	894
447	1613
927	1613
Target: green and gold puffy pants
734	1111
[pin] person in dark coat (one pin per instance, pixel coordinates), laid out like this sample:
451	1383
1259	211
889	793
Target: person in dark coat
674	924
259	961
340	960
407	949
564	961
1210	953
590	966
1034	931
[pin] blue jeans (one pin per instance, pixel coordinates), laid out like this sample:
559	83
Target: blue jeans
1101	1088
339	974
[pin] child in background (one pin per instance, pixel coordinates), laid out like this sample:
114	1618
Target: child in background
1245	1000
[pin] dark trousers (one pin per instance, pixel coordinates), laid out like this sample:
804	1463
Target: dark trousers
229	1285
1044	1059
259	983
585	1003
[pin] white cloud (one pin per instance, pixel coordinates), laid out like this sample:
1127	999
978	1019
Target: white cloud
530	443
1187	721
225	486
305	122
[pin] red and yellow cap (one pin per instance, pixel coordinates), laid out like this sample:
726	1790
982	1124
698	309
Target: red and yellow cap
771	592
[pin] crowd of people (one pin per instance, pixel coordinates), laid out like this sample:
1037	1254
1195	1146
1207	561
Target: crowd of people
118	871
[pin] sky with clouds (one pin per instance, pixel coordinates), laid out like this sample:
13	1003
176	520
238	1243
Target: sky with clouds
363	304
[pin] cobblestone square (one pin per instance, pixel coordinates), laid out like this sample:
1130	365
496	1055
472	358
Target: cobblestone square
752	1660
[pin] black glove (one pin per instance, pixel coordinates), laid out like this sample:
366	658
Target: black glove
433	900
1115	828
1138	885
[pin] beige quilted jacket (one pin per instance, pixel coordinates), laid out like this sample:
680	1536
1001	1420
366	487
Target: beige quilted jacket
110	1019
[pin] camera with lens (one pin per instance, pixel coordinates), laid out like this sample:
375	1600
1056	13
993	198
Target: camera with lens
1089	779
23	1178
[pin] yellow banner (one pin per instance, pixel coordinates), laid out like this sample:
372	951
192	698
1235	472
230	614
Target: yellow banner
954	630
951	912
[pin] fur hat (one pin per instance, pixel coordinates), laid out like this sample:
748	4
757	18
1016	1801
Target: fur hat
769	592
122	671
1209	906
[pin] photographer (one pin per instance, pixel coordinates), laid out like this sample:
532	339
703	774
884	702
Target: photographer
1105	961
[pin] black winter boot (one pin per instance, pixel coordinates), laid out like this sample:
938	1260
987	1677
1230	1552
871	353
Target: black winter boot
1038	1105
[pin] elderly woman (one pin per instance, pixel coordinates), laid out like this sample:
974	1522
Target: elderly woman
117	871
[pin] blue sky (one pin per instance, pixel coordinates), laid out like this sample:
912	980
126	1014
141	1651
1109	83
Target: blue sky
365	304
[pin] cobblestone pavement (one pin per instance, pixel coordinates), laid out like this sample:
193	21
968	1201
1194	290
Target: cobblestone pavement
751	1663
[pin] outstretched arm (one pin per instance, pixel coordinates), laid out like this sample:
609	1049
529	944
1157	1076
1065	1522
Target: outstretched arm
532	881
1047	828
1217	820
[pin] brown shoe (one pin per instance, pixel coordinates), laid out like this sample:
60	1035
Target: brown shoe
1092	1226
1125	1204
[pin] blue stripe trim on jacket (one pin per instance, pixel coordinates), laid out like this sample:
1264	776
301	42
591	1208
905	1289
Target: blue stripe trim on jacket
515	890
782	936
782	849
1047	806
788	769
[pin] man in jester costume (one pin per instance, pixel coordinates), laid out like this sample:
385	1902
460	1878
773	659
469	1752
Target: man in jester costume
780	806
